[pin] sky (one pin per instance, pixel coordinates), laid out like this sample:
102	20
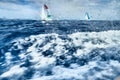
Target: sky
61	9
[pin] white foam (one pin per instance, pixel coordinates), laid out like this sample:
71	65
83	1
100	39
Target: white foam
87	40
14	71
8	57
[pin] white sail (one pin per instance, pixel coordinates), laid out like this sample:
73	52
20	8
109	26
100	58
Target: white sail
87	17
45	14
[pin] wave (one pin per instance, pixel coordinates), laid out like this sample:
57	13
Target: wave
76	56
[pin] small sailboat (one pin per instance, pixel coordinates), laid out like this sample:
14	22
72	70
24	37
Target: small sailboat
45	14
87	17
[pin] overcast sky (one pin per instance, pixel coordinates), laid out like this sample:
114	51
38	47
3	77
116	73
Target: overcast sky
61	9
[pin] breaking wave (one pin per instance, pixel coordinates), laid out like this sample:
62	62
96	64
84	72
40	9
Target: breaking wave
76	56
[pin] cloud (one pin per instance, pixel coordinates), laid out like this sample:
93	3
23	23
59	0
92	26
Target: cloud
64	9
17	11
75	9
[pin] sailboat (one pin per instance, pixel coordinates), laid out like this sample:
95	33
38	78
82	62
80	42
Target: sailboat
45	14
87	17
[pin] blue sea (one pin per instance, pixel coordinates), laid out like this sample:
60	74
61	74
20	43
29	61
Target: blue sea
59	50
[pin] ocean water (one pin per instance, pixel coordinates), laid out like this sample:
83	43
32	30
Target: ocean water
59	50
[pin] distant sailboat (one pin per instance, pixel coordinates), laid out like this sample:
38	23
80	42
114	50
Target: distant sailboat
87	17
45	14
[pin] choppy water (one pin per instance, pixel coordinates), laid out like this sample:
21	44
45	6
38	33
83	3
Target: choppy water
60	50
